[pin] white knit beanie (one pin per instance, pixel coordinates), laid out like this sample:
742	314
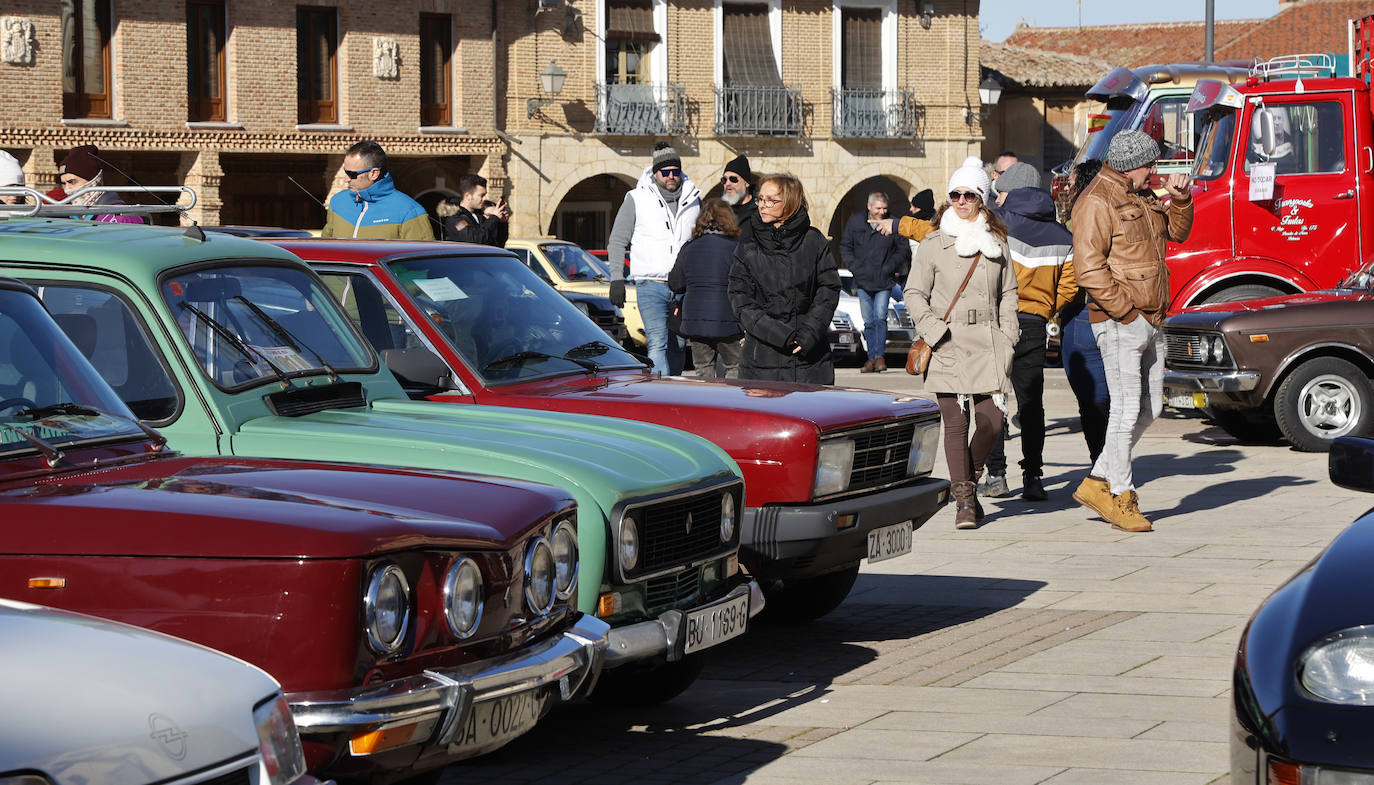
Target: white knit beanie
972	176
11	173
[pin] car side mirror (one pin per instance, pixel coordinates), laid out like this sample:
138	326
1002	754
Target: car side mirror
1264	126
1351	463
420	371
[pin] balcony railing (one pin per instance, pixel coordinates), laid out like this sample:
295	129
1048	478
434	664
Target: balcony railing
880	114
758	111
641	110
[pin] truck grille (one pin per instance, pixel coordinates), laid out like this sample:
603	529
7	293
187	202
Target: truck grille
880	455
671	589
681	530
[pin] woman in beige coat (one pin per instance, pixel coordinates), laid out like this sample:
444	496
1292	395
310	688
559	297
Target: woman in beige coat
972	351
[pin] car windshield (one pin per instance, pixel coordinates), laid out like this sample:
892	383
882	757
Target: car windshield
505	321
1214	152
1119	113
48	390
573	263
248	324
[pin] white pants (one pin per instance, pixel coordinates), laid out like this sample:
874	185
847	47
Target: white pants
1133	359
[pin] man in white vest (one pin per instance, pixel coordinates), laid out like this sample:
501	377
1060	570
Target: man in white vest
655	221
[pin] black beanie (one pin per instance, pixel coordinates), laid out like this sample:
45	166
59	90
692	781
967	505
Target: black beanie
924	203
740	166
665	155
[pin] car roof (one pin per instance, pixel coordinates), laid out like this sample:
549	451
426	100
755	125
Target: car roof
371	251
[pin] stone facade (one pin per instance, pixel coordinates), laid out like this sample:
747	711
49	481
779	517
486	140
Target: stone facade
252	166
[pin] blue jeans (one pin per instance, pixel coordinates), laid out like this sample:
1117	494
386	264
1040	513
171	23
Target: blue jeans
665	349
873	310
1083	367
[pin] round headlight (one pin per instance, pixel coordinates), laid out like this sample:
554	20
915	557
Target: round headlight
539	576
727	517
564	544
1218	349
386	609
629	543
1340	668
463	597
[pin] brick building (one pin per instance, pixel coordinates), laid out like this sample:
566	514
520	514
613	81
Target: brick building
253	102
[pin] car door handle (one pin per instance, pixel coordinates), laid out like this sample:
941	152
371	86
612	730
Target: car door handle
1346	194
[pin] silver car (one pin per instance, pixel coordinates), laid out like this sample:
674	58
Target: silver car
93	701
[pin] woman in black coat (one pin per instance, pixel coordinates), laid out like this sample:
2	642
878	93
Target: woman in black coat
784	289
702	273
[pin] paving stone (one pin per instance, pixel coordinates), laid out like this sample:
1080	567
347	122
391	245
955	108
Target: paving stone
1074	751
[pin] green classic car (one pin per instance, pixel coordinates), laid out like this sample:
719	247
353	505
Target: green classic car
233	347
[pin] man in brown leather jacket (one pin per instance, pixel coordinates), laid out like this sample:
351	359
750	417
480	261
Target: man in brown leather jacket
1119	231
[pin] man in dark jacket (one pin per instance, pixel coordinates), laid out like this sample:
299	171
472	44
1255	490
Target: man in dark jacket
874	258
473	222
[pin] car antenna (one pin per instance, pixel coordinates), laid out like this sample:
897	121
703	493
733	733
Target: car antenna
131	179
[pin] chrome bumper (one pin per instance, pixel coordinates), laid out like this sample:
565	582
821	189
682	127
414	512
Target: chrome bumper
1212	381
444	697
663	637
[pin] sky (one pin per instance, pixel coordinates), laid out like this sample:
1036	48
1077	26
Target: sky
998	18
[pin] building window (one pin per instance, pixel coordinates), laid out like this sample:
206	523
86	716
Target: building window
317	48
436	58
747	41
861	54
86	58
205	61
630	38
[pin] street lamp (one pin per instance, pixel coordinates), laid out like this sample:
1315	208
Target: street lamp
989	91
551	82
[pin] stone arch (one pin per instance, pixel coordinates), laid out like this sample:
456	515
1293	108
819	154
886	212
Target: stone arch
622	170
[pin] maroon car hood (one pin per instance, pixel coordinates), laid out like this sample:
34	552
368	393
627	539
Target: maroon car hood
186	507
1287	300
829	408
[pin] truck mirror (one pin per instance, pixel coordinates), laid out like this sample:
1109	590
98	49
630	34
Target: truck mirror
1264	128
419	370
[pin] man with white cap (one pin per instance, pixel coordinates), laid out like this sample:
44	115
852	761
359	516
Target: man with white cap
1119	231
11	173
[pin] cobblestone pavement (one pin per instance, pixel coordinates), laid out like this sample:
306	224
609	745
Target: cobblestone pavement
1043	647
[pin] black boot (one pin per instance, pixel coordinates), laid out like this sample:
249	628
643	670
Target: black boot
1032	489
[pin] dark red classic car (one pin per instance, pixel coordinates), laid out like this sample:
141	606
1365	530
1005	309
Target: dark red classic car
404	636
1298	365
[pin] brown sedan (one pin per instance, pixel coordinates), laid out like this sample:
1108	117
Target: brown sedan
1297	365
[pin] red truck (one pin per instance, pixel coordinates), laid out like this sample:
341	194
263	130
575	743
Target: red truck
1283	184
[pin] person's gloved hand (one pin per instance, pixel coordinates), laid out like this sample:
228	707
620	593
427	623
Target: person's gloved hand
618	293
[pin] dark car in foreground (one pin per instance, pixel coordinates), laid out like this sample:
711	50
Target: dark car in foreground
1297	365
1303	691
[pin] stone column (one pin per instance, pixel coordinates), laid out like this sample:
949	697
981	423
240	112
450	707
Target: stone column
201	171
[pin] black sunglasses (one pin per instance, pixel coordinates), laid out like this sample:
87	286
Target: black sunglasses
958	196
353	175
668	171
730	178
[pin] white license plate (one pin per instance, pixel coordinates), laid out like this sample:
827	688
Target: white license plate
498	721
846	338
1185	400
889	541
716	624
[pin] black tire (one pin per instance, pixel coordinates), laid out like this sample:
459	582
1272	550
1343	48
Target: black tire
1247	426
1246	291
1321	400
806	599
647	685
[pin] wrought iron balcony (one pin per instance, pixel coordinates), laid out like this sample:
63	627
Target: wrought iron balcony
881	114
641	110
758	111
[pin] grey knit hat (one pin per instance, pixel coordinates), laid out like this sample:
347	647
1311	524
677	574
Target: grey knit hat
665	155
1131	149
1018	175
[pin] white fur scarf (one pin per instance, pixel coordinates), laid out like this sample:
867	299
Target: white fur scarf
971	237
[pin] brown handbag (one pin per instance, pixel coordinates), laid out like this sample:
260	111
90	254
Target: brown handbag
918	356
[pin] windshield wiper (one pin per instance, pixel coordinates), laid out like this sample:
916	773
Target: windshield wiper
519	357
51	455
159	441
590	348
228	336
295	343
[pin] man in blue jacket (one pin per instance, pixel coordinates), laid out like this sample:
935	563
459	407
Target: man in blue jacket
874	259
371	206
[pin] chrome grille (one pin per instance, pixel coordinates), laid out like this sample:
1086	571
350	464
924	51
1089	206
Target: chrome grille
841	321
880	455
671	589
1182	349
897	316
667	539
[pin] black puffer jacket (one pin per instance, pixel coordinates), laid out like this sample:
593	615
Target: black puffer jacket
784	289
702	272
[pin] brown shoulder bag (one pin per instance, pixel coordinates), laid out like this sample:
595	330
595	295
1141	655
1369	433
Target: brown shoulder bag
918	356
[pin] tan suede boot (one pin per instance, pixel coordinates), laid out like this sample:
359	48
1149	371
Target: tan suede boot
966	512
1128	517
1096	494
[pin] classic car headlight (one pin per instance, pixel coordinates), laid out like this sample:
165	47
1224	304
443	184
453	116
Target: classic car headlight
278	741
629	543
834	462
463	597
564	544
584	308
386	609
727	517
924	444
1340	667
540	576
1218	350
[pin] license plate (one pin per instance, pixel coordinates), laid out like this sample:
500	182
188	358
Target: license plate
716	624
846	338
1185	400
498	721
889	541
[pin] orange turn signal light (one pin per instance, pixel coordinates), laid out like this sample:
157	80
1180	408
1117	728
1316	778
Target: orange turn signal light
47	583
608	604
381	740
1281	772
1259	338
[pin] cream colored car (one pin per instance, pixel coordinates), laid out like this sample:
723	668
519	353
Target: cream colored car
567	267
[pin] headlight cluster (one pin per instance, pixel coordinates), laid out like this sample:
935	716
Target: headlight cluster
278	742
727	517
463	597
924	444
1340	667
386	609
834	462
1212	350
551	568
